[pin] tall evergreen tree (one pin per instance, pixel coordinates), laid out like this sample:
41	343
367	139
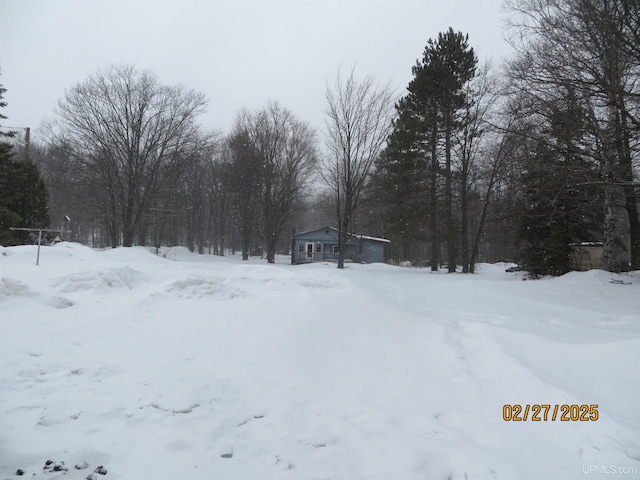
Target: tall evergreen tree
422	141
452	62
7	216
401	180
5	147
559	209
23	195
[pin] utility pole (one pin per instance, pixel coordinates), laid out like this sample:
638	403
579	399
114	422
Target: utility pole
27	136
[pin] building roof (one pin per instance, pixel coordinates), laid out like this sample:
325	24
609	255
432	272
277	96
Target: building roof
360	237
375	239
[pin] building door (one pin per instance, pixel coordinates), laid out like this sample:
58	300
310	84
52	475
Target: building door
310	251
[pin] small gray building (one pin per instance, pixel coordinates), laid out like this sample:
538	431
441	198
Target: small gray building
321	245
586	256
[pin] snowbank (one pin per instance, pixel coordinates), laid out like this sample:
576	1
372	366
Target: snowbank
199	367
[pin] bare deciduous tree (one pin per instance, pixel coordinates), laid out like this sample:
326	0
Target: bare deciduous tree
588	46
481	94
245	186
358	122
127	131
286	152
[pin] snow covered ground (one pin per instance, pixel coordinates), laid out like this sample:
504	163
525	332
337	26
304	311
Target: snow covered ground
197	367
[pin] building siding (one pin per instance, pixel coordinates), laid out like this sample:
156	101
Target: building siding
372	251
320	245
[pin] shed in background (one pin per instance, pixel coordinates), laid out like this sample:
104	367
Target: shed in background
586	256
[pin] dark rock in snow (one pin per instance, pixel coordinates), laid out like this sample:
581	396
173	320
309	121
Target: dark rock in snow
19	472
101	470
52	466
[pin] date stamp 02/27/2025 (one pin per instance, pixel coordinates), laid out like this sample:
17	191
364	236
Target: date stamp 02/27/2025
547	412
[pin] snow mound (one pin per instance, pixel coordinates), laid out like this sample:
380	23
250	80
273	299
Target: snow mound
589	277
266	275
499	267
198	286
177	254
75	249
372	372
10	288
63	256
320	281
131	255
101	281
14	289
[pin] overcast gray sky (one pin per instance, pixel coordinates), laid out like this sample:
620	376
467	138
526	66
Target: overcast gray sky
240	53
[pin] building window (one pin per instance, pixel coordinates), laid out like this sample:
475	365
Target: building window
334	249
318	247
301	247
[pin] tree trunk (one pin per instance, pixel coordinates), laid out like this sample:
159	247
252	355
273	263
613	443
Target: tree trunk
448	193
495	168
246	230
112	227
609	220
127	234
222	226
246	244
631	207
271	248
342	245
342	240
626	174
433	203
464	207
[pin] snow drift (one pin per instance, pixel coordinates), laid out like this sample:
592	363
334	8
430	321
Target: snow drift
198	367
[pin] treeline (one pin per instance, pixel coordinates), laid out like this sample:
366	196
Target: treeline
526	165
470	164
23	194
127	160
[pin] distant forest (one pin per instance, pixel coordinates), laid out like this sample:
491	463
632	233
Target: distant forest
471	163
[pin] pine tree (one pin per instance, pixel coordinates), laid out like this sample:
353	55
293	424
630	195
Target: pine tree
401	182
561	208
7	216
23	195
421	145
